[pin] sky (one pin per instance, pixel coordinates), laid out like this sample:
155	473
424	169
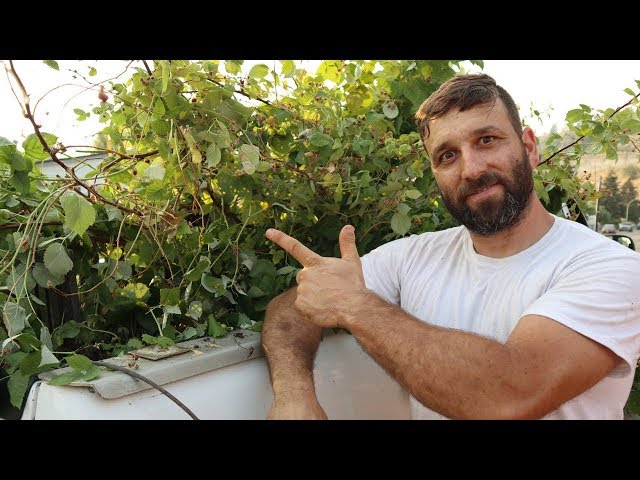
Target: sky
552	87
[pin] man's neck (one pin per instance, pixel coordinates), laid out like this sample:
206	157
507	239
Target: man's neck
535	223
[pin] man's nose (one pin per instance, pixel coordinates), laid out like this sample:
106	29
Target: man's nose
473	163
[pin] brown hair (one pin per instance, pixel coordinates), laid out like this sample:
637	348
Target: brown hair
464	92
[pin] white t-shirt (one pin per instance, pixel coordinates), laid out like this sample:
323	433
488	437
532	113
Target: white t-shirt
573	275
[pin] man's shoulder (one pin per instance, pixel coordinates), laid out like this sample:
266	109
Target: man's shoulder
582	243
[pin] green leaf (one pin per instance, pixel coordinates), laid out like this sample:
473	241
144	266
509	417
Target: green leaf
56	260
258	71
92	71
121	269
263	166
20	163
195	310
30	364
113	213
34	150
255	292
390	109
286	270
47	358
256	327
403	209
45	338
155	172
79	214
5	142
7	150
78	362
249	153
69	329
20	181
212	284
158	109
320	139
188	333
172	310
575	115
14	318
51	63
413	194
92	372
232	66
214	154
170	296
17	386
248	167
567	184
66	378
162	341
400	223
288	67
44	277
166	71
194	274
214	329
633	124
542	193
136	291
24	339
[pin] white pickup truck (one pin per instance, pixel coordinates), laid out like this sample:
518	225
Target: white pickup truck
222	378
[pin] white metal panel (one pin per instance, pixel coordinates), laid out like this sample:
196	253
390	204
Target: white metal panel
349	383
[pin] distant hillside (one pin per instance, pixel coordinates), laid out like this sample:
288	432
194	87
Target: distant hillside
598	166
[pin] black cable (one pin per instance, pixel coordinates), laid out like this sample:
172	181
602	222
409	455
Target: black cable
146	380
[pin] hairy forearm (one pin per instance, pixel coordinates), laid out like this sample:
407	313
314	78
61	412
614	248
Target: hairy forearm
290	343
456	373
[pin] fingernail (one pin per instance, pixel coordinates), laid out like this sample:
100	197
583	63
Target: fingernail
350	229
269	232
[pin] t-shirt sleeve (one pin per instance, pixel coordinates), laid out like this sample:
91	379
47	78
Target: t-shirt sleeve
383	269
598	295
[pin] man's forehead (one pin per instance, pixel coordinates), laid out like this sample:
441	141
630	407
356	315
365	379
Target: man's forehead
455	121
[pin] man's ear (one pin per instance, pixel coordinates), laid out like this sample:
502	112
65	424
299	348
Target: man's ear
531	146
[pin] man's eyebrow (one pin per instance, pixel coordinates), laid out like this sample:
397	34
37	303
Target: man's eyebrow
477	131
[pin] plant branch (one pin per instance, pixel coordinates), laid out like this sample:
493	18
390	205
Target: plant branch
103	81
123	156
146	65
53	151
579	139
241	92
220	205
137	376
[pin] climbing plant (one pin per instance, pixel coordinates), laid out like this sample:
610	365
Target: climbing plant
164	241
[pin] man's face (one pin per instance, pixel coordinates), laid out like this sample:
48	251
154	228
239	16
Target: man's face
482	167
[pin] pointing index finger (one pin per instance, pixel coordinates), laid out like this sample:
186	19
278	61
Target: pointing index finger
296	249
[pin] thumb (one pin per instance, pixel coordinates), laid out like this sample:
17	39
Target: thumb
348	248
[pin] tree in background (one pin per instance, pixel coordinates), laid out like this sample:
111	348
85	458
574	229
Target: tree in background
629	192
632	171
612	198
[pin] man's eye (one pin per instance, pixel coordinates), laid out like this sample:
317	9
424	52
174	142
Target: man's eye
486	140
446	156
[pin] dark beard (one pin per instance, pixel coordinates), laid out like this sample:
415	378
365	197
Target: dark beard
495	216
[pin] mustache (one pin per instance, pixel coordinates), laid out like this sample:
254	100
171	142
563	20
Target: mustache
486	180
